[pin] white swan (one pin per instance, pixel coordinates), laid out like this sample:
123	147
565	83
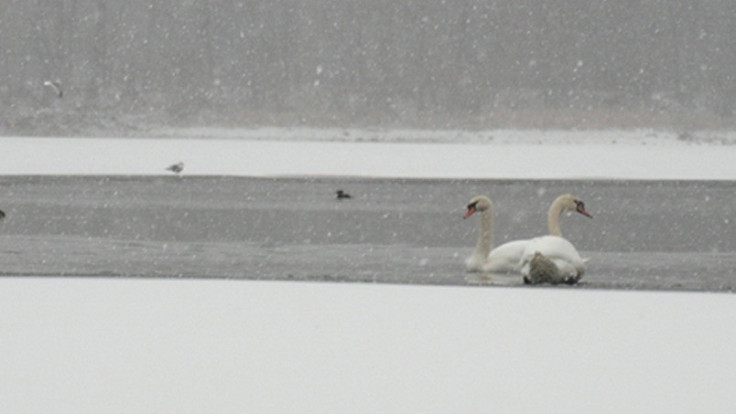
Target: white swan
483	259
480	261
512	256
553	259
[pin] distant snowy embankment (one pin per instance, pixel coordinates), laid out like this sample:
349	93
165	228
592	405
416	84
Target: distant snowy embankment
391	154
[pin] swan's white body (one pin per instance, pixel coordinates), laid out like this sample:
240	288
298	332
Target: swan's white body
516	256
505	258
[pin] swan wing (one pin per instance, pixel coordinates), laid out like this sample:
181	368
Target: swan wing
506	258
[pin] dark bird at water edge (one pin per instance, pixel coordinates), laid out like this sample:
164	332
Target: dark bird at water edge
176	168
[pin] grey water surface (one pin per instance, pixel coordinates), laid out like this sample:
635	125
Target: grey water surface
644	235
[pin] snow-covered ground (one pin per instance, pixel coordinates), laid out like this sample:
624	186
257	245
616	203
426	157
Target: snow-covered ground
409	154
104	345
157	346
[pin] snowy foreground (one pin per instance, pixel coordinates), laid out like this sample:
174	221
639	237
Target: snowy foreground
110	345
233	346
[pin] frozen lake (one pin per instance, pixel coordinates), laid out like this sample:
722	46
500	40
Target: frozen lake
179	303
663	235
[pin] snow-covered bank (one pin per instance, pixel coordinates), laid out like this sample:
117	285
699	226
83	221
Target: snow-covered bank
518	155
221	346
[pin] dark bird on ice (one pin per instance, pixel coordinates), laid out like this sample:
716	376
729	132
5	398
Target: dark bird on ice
176	168
56	86
2	214
342	195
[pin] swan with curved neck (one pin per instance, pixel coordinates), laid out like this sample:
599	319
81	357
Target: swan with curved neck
516	256
563	203
479	260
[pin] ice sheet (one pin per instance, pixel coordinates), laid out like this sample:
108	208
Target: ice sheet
529	155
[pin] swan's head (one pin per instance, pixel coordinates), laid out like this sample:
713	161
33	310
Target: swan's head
570	202
477	203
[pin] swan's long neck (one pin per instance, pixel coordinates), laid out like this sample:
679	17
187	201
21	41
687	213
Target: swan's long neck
553	218
485	238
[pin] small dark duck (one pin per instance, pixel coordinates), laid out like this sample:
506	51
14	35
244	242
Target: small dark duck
176	168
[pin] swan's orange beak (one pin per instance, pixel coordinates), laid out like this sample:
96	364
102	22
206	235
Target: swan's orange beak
469	212
581	209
